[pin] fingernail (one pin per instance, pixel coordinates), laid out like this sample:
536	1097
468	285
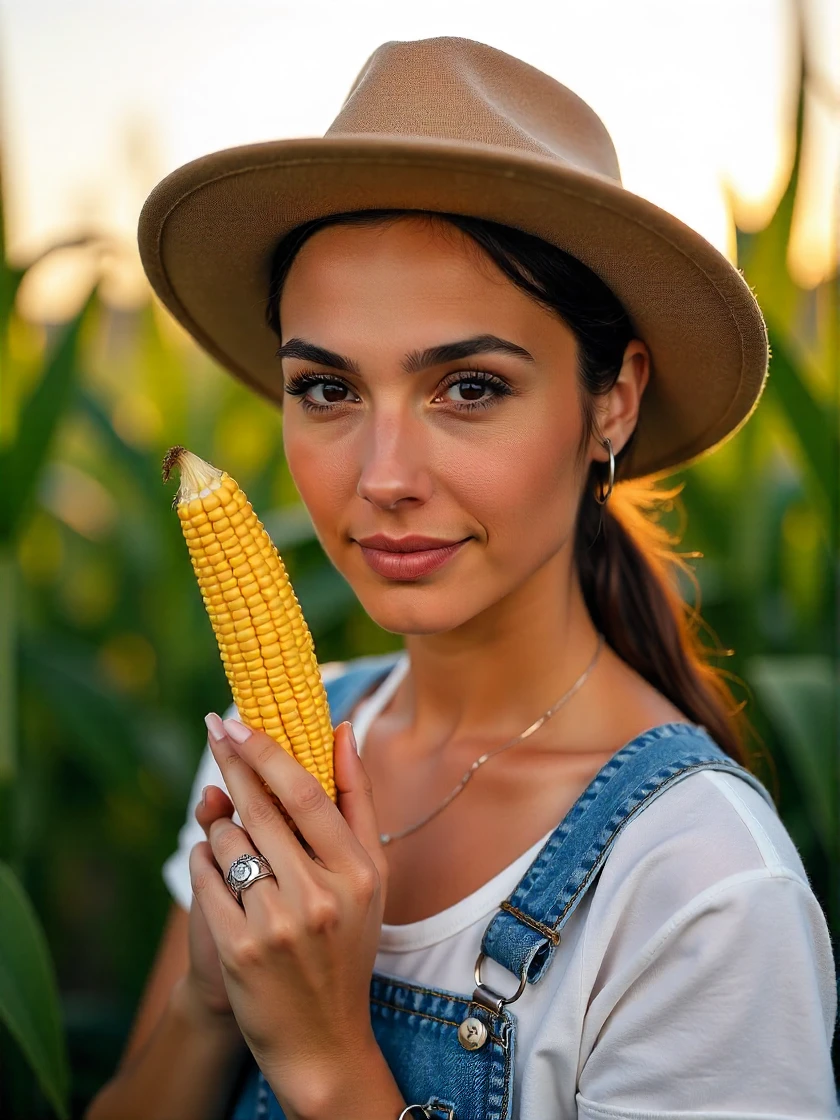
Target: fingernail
204	796
215	726
352	734
236	730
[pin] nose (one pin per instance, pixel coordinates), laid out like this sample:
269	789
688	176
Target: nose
394	461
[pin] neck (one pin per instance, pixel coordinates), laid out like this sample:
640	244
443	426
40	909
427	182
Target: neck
487	681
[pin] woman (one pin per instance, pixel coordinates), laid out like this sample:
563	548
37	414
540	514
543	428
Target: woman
479	358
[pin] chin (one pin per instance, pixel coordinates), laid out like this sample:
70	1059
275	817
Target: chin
400	612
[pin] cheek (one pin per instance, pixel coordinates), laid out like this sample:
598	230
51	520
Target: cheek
323	472
521	486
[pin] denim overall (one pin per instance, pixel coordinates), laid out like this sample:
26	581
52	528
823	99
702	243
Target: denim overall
454	1053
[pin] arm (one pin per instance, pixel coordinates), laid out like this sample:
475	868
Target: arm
179	1062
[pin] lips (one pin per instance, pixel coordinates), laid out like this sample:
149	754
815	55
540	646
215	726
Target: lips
413	543
410	564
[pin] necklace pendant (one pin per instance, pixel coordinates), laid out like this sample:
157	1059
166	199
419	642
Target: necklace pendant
384	838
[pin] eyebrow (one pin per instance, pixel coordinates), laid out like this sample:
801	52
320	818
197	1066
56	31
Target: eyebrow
415	360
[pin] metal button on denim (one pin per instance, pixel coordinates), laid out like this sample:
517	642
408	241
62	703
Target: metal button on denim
472	1034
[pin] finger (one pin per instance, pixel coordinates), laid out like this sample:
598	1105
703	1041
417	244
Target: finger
215	803
231	844
355	795
260	816
318	819
224	916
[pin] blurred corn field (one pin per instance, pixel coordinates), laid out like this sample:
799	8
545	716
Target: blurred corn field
108	663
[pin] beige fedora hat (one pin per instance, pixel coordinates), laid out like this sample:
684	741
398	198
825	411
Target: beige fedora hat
449	124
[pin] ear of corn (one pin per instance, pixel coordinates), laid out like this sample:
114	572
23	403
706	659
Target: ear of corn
266	647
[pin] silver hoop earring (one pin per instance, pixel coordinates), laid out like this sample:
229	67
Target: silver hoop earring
601	497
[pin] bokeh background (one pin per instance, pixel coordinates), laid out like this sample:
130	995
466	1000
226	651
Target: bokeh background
726	112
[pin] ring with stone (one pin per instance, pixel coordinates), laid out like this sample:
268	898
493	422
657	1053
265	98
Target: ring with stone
244	871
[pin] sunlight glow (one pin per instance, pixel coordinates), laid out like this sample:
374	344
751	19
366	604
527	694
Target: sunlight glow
698	96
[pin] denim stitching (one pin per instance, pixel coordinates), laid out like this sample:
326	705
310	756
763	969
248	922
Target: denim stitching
630	815
527	920
435	1018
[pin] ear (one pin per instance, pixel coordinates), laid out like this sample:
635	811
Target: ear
619	412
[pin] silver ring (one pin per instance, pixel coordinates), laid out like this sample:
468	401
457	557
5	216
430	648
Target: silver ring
244	871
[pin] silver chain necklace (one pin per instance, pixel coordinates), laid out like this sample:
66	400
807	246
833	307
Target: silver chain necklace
386	837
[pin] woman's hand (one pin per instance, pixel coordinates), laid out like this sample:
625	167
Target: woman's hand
205	970
297	951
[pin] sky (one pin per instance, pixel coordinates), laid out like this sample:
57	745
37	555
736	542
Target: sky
100	99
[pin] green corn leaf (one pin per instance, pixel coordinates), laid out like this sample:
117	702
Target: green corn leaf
813	423
139	467
762	256
798	694
289	527
10	277
21	463
104	728
29	1002
325	597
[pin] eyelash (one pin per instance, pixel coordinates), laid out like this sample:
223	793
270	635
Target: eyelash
300	382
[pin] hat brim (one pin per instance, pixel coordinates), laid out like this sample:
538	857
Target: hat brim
207	232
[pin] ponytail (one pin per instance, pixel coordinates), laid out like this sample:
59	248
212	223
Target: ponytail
627	568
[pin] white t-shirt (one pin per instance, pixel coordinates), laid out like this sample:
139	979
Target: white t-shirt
695	981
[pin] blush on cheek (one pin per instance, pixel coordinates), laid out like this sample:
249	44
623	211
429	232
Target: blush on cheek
525	494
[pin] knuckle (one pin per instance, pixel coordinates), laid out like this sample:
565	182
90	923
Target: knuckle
228	840
281	934
267	751
243	955
366	882
322	912
200	881
261	811
306	794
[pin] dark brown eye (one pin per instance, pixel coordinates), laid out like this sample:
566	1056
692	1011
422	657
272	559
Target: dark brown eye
477	390
329	390
467	387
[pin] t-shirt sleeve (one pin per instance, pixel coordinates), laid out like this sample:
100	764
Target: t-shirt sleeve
176	869
728	1011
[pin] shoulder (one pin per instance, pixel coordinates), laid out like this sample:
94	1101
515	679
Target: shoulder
705	949
705	834
703	892
714	820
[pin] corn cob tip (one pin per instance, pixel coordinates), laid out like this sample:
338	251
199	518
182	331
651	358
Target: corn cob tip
198	477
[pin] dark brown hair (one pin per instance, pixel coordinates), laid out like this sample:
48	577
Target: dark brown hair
627	565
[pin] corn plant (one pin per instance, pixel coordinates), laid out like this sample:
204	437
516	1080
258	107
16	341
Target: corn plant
29	1000
108	660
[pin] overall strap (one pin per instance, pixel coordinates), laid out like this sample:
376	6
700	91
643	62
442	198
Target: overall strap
344	691
524	933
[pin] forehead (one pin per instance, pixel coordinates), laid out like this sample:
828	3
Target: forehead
409	274
414	248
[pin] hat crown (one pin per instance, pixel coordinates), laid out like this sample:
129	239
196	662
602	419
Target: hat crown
449	88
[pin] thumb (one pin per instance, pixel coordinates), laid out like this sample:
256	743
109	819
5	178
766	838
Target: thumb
215	803
355	792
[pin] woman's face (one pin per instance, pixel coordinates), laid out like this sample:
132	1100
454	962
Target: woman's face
393	452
